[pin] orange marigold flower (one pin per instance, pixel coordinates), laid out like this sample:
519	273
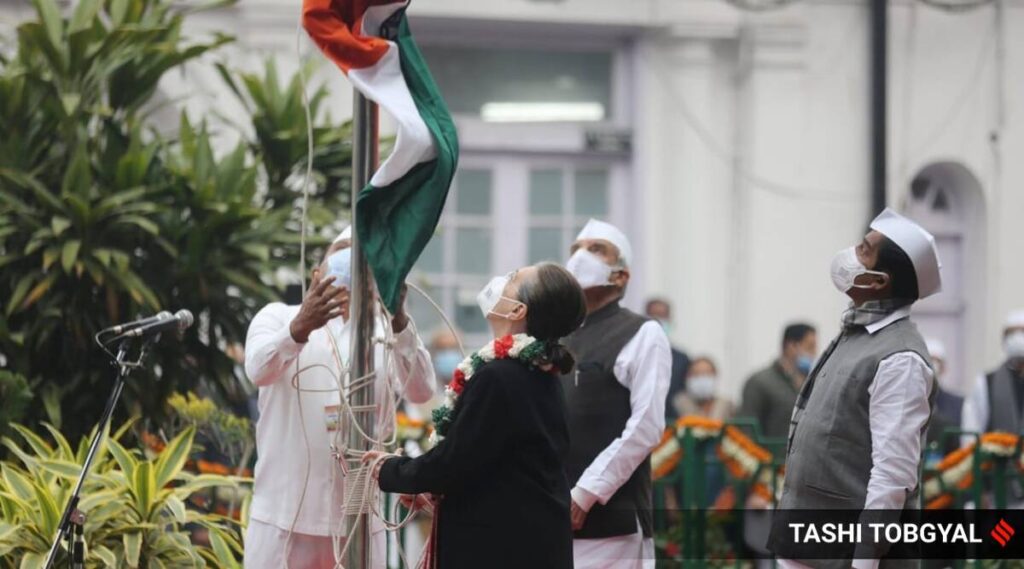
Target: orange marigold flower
941	503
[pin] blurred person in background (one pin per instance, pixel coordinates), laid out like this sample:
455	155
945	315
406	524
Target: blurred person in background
616	408
769	394
446	352
996	402
948	405
659	309
701	394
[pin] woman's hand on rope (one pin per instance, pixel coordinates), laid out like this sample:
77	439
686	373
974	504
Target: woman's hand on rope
376	459
322	304
416	502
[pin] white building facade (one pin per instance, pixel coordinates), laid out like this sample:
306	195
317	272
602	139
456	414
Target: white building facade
731	145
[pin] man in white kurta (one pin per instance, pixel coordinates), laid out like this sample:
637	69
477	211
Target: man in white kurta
616	409
296	520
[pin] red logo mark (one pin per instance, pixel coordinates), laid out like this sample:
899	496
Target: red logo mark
1002	532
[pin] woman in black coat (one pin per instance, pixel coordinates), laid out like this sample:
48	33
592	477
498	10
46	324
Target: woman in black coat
499	471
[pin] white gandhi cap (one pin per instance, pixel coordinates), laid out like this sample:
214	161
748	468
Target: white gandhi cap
595	229
1015	319
345	234
918	244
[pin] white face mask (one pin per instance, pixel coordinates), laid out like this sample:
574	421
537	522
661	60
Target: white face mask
846	267
590	271
339	266
701	387
492	294
1014	344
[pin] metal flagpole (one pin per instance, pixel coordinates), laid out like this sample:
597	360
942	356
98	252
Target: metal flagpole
361	314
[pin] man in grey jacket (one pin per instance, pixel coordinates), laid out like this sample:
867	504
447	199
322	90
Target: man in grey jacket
860	420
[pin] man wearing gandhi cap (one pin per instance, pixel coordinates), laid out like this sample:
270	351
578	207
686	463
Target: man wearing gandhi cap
996	403
616	408
860	420
294	355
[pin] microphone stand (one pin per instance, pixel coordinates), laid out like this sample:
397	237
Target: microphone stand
72	522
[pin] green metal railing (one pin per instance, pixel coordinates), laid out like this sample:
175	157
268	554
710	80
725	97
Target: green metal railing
689	517
688	483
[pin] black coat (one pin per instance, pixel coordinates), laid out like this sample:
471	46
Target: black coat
501	471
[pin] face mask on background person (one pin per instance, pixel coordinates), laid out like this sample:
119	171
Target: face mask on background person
339	266
666	326
1013	344
589	269
445	362
701	387
492	294
846	267
804	364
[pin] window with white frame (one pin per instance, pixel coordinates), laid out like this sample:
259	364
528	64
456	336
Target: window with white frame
561	201
528	177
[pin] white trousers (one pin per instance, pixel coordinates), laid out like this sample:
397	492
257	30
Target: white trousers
620	552
266	545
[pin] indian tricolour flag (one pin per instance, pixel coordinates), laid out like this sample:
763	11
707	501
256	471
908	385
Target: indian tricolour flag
397	212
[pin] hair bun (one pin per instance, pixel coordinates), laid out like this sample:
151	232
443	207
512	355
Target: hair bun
559	356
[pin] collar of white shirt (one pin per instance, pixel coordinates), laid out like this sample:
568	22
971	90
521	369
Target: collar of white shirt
898	314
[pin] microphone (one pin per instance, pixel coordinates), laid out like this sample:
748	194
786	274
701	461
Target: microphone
180	321
138	323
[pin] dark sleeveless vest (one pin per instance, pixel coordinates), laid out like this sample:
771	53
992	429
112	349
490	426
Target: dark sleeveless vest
828	461
598	409
1003	413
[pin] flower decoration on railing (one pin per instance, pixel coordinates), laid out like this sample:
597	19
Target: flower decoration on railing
414	431
742	457
955	472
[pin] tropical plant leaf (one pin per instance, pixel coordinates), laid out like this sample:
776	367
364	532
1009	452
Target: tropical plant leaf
132	548
32	561
61	468
62	443
124	459
222	550
144	488
20	486
172	458
69	254
105	555
50	516
177	509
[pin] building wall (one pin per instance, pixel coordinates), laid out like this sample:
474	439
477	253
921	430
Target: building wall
750	145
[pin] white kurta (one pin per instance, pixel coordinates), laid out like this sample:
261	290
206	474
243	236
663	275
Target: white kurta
976	410
898	409
644	366
295	432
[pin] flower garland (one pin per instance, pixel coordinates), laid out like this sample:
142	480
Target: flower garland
955	471
522	347
742	457
409	430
